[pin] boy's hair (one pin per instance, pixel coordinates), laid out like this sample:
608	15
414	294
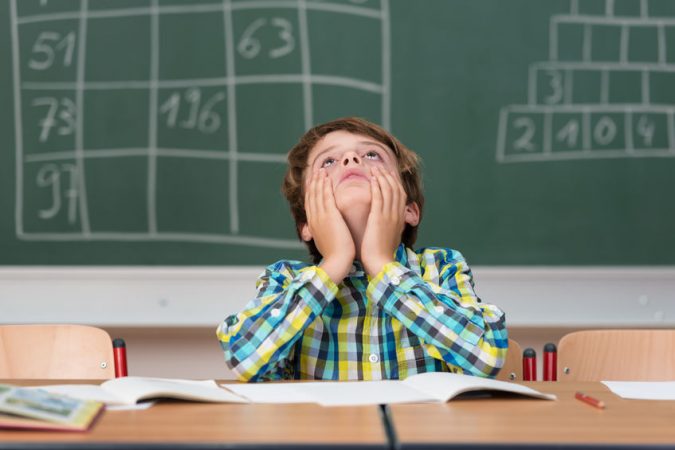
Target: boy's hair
293	186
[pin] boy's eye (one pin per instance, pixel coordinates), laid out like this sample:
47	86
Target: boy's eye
328	162
371	154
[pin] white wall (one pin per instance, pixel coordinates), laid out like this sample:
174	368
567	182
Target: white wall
197	297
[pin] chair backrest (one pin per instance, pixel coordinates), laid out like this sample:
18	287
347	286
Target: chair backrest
513	367
55	351
619	355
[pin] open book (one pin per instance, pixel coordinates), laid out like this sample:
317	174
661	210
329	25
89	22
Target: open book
420	388
129	390
643	390
37	409
426	387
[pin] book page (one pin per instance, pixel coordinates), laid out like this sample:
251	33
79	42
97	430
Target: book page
83	392
279	393
643	390
330	393
444	386
129	390
349	393
132	389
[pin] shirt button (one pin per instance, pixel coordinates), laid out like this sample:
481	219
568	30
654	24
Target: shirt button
395	280
232	320
439	308
275	312
373	358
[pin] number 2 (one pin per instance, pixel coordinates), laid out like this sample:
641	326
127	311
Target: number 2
524	142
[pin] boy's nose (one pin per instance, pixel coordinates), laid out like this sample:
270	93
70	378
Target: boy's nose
350	158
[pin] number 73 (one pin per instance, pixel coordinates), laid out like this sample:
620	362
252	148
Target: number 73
60	114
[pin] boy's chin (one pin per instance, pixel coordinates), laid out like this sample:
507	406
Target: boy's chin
345	202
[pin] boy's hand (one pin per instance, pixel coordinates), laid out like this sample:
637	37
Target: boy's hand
386	221
328	228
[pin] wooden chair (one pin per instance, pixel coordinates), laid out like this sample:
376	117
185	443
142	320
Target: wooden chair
513	367
618	355
55	351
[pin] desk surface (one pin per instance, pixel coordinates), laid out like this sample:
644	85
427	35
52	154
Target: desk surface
175	424
500	421
567	422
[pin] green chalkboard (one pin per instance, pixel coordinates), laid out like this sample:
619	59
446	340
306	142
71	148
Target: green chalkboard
154	132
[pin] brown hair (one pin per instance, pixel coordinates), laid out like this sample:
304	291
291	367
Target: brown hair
293	184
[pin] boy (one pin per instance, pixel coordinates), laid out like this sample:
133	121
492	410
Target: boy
369	307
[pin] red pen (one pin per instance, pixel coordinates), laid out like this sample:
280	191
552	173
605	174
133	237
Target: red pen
529	365
590	400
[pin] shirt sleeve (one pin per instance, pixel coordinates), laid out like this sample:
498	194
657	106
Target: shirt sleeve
442	309
259	340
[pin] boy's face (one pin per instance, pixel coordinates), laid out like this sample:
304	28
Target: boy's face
347	159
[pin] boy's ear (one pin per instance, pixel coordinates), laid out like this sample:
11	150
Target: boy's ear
305	234
412	214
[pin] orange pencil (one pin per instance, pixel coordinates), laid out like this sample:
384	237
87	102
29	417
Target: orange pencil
590	400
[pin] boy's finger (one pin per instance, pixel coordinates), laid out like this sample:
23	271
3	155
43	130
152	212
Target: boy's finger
309	197
395	193
377	200
400	195
324	193
318	194
403	193
375	193
387	193
330	194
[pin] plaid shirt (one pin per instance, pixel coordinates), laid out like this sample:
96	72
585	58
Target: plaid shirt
419	314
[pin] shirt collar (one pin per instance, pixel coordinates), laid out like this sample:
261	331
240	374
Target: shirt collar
357	269
400	255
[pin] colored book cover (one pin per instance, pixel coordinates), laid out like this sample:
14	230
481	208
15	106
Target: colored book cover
36	409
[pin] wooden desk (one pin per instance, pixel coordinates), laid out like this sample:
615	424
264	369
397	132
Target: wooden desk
173	424
500	422
509	421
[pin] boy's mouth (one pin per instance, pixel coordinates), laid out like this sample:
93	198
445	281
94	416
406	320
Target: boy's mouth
352	174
